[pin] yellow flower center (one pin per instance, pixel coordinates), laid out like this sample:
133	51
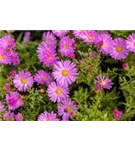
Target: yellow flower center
49	120
103	82
47	41
104	45
42	77
119	49
23	81
58	91
69	108
2	57
65	73
66	46
81	31
90	37
49	57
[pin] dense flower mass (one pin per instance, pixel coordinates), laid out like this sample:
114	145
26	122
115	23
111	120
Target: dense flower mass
64	75
7	54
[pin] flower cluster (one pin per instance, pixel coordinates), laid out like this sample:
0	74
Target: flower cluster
65	67
7	53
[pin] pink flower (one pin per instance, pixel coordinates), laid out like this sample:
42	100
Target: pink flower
117	114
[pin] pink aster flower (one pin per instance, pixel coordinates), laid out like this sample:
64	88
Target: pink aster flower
79	33
117	114
104	40
131	43
65	72
14	58
14	100
43	77
60	33
23	81
26	37
2	108
119	50
104	82
67	46
66	109
57	92
49	39
19	117
46	116
4	57
7	42
8	116
43	47
6	87
46	55
13	73
89	36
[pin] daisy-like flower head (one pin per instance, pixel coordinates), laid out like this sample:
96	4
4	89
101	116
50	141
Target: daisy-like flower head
60	33
65	72
14	100
2	108
104	40
14	58
26	37
78	33
43	47
57	92
119	50
104	82
131	43
19	117
23	80
89	36
46	54
49	39
7	42
67	46
42	77
4	57
66	109
8	116
48	58
46	116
